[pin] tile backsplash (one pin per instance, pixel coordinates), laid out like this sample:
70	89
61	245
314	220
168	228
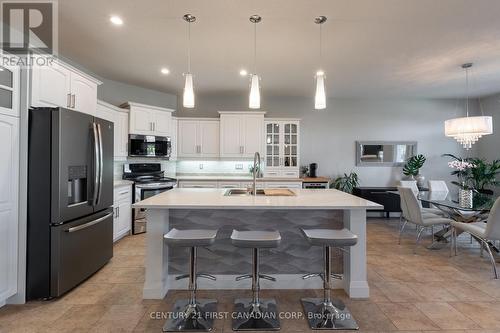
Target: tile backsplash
172	168
168	166
214	167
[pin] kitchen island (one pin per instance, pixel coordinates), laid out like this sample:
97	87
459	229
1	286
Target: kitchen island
212	209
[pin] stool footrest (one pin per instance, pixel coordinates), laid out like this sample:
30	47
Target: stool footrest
261	276
333	275
199	275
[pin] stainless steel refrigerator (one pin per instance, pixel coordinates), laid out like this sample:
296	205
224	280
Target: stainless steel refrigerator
70	199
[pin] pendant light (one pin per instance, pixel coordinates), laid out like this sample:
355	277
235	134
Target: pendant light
467	130
254	98
320	96
188	95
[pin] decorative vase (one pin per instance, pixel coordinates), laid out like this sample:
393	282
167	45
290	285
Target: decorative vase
465	198
420	181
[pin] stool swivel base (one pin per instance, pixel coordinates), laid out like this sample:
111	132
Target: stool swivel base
253	314
193	314
327	313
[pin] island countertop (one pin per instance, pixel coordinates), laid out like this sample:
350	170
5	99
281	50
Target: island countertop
180	198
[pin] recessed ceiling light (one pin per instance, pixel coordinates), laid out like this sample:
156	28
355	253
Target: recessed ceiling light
243	72
116	20
165	71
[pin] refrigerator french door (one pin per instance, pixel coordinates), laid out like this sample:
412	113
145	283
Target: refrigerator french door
70	198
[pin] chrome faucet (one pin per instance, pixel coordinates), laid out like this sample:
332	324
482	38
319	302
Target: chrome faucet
256	161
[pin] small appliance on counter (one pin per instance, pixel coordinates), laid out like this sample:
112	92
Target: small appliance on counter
313	170
316	182
149	180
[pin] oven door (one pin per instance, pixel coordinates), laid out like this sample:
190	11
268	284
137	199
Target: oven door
142	193
149	146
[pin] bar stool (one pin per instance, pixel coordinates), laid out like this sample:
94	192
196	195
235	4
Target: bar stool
191	314
328	313
255	313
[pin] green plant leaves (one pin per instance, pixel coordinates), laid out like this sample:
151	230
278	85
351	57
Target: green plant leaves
413	165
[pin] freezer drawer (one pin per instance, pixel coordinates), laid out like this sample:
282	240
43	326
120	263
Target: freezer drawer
79	249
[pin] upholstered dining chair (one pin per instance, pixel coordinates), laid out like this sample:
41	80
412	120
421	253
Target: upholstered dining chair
485	232
413	185
411	212
438	186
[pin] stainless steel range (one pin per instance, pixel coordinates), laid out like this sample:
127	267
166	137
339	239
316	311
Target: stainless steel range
149	180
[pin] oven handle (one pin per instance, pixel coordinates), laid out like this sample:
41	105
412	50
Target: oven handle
89	224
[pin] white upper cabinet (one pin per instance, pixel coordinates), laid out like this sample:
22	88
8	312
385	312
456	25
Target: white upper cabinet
119	117
9	88
198	137
83	94
60	85
241	134
281	148
149	120
174	138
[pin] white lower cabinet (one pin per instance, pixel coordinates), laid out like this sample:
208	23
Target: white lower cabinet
197	184
9	189
122	206
284	185
229	184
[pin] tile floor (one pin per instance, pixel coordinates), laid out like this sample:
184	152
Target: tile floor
423	292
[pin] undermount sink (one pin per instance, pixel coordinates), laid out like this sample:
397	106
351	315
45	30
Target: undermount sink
242	192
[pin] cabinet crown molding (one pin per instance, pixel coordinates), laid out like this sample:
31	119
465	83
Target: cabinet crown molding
128	105
111	106
197	119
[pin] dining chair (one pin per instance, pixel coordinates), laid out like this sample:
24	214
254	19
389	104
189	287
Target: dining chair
438	186
485	232
413	185
413	213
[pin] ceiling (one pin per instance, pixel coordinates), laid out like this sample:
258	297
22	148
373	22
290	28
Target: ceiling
371	48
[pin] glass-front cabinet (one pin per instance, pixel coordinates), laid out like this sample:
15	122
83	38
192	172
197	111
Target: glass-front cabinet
282	148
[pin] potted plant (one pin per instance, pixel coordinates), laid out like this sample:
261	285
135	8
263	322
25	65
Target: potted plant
412	169
484	175
479	177
346	183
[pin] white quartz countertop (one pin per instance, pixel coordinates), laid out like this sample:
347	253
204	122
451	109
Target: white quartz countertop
233	178
121	182
215	199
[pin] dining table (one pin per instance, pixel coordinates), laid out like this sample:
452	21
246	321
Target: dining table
449	204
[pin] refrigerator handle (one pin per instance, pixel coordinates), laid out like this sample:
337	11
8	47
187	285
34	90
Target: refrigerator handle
89	224
101	166
96	164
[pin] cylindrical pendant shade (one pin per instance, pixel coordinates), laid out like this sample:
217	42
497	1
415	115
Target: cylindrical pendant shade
254	100
320	96
188	97
468	130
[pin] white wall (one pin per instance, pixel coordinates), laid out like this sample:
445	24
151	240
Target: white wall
488	146
328	137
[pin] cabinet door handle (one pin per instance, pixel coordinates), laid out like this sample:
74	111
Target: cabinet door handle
154	127
73	99
151	127
68	101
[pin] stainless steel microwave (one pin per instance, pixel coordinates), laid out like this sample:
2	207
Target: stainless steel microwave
149	146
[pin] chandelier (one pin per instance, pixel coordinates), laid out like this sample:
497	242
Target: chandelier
468	130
